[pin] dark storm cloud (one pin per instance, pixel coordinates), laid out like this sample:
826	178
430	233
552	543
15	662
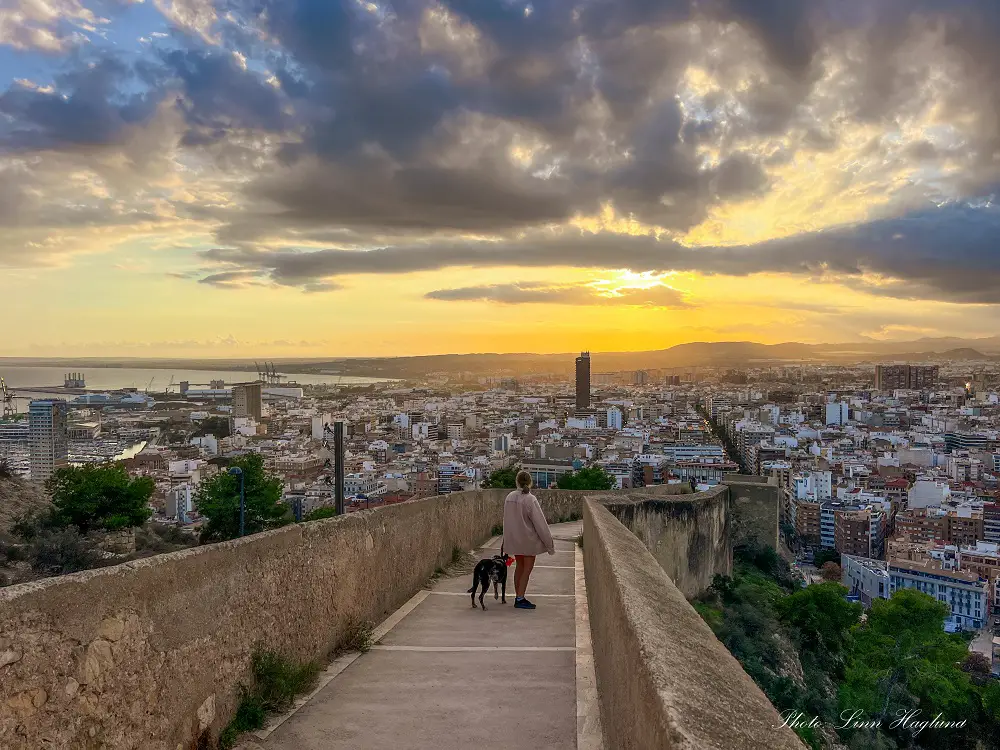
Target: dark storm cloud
232	280
946	253
220	95
739	175
373	192
783	27
381	147
86	109
505	118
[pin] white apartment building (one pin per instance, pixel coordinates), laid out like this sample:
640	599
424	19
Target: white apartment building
321	423
186	471
48	437
715	405
837	413
865	578
363	483
179	503
614	418
965	593
926	493
813	486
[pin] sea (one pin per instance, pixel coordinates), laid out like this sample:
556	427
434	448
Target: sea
152	379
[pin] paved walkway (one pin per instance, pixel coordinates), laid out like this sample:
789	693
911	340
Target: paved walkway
443	675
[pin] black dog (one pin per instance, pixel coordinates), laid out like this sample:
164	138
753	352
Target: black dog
491	570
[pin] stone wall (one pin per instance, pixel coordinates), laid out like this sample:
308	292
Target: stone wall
754	509
663	678
688	535
149	654
692	536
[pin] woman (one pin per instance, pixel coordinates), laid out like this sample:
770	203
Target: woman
525	535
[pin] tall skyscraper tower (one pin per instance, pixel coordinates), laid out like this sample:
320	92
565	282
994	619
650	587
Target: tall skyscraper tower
247	400
583	381
48	437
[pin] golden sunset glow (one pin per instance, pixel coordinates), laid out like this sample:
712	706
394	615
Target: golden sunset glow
198	183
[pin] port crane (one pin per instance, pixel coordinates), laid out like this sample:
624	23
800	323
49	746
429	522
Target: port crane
9	412
268	374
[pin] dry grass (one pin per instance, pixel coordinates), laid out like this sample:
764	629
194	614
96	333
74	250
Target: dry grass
18	498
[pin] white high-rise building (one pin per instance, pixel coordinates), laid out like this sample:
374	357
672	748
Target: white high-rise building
48	437
837	412
614	418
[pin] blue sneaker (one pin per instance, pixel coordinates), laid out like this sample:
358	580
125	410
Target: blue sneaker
523	604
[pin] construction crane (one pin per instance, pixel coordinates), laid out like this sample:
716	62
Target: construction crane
275	378
150	384
9	412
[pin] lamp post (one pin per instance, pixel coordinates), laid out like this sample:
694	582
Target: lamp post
236	471
338	467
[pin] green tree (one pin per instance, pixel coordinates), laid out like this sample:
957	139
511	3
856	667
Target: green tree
903	659
320	513
217	426
822	619
99	497
824	556
501	479
590	478
218	499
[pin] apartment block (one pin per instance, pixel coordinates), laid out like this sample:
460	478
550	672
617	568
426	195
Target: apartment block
48	437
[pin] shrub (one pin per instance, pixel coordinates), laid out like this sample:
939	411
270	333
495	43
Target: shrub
276	683
99	497
60	551
320	513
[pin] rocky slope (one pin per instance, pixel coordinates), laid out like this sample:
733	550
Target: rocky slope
18	497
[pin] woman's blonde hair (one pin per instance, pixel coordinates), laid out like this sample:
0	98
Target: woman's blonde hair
523	481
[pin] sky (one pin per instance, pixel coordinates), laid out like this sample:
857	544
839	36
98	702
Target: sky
228	178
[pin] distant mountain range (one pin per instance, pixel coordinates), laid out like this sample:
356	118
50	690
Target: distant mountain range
695	354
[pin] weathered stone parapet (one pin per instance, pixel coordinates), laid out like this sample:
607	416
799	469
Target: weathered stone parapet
120	542
754	504
665	682
149	654
688	535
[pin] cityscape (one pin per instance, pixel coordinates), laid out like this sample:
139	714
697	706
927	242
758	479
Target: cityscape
672	325
887	474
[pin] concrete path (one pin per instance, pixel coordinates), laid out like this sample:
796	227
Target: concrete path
445	676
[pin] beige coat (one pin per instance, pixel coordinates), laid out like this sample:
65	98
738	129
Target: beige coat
525	531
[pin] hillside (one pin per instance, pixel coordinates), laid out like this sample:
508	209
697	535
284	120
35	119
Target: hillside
16	498
693	354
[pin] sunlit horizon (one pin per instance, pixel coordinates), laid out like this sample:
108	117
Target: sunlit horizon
193	179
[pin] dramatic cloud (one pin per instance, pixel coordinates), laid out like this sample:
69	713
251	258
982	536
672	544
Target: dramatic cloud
305	141
86	108
922	255
49	26
532	293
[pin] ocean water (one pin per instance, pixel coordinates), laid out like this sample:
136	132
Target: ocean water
113	378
